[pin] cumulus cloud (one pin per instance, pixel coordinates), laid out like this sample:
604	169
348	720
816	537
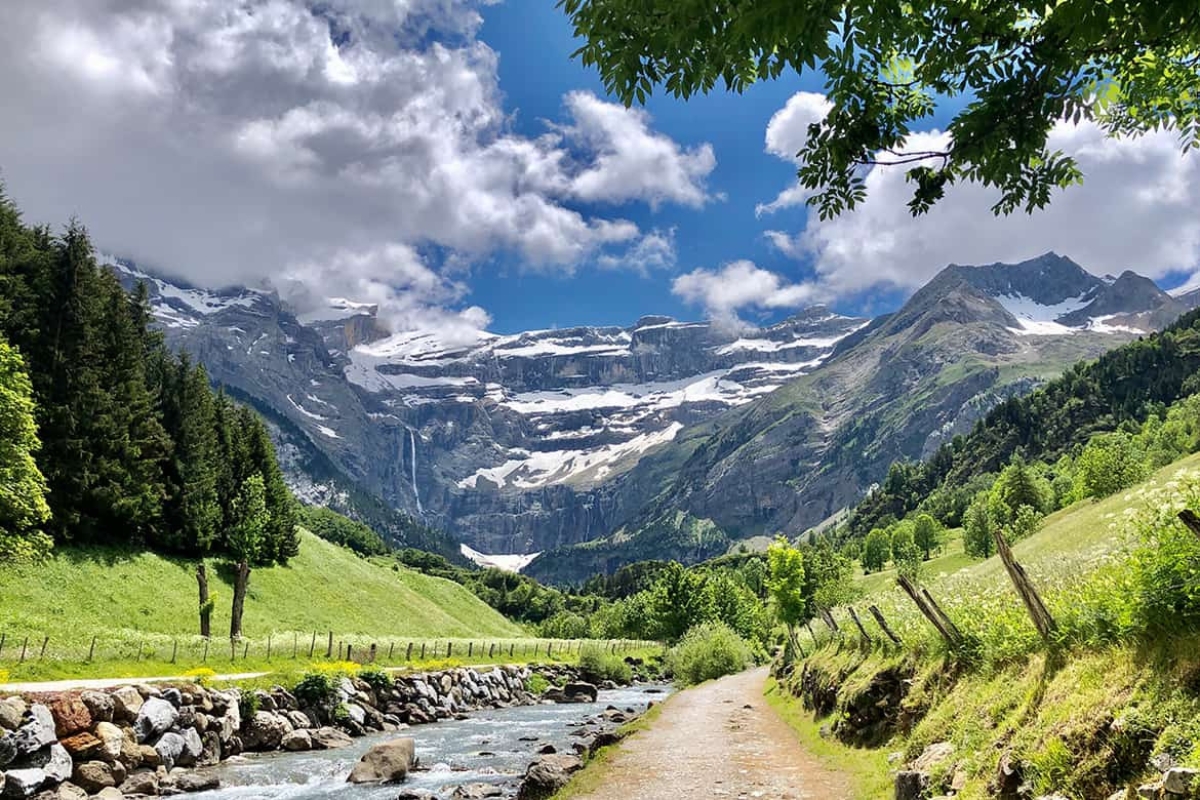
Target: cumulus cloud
315	146
737	286
787	133
1135	210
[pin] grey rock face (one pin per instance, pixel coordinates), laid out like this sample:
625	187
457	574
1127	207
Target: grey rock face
546	439
156	716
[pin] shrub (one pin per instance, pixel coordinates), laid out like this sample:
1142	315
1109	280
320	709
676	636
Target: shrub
248	704
596	665
536	684
316	689
708	651
378	679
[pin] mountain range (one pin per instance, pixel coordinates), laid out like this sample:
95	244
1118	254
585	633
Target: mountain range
597	446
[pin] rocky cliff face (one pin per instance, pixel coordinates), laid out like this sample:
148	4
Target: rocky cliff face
683	431
513	443
895	390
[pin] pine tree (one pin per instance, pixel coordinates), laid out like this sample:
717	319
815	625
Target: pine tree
283	541
193	517
23	505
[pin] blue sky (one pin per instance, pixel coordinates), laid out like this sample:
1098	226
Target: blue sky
535	43
449	161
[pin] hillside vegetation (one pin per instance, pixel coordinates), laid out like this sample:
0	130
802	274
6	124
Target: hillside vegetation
124	594
1109	702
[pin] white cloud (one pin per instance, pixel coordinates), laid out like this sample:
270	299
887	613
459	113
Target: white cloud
787	133
655	250
1135	210
739	285
242	142
632	162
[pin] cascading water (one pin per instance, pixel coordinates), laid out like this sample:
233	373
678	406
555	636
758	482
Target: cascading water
412	445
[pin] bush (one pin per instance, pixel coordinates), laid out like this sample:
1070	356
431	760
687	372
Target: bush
536	684
376	678
708	651
596	665
316	689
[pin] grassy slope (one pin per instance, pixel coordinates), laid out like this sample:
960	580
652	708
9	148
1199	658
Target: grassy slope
1057	718
110	592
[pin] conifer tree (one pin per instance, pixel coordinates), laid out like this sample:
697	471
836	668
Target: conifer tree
23	505
193	517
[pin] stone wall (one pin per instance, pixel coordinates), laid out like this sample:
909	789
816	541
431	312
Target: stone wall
157	739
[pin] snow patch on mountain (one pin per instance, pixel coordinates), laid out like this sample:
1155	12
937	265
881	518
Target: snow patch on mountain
531	470
508	563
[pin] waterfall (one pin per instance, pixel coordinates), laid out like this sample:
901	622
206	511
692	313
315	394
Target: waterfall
412	445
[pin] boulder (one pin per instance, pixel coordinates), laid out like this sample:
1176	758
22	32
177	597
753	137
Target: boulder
12	709
127	702
298	719
330	739
70	714
547	775
99	705
385	762
84	746
476	791
911	784
210	749
54	761
21	783
264	731
173	696
580	692
147	756
297	740
8	749
155	717
1181	781
932	756
64	791
112	740
170	748
92	776
144	781
199	781
416	794
36	730
110	793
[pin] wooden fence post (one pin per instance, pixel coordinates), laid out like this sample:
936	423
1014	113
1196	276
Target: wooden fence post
3	636
422	651
246	650
492	651
24	645
1029	596
295	644
511	647
174	649
42	654
268	648
204	660
828	619
878	615
449	648
92	649
471	650
926	606
329	649
1189	518
408	653
861	629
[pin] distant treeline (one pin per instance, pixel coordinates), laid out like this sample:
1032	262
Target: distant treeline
1124	387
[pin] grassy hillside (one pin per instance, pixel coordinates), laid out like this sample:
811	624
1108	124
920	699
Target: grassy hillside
1083	719
83	592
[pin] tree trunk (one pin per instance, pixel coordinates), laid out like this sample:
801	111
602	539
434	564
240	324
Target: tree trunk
205	608
241	580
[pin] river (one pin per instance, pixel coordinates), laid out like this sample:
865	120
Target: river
487	747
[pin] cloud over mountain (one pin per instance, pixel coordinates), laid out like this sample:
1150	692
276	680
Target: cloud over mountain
353	147
1135	210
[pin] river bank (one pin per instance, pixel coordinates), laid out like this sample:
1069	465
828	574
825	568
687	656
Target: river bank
147	740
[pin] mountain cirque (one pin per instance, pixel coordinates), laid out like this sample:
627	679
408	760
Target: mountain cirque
548	439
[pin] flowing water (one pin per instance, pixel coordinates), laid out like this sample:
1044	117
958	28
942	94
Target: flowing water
488	747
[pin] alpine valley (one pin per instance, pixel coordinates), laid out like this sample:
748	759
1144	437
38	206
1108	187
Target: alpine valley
573	451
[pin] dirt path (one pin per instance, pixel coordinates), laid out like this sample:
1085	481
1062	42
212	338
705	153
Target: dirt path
718	740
